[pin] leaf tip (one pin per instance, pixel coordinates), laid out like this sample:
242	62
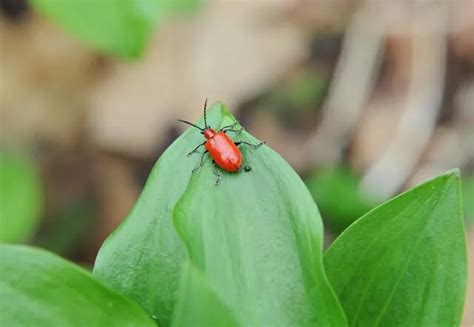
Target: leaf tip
453	175
221	107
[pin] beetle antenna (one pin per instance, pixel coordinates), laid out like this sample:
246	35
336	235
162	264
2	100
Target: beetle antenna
186	122
205	116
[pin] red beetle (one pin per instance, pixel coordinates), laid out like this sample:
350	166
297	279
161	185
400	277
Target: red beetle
223	151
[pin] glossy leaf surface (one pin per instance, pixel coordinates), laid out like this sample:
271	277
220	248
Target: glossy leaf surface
404	263
38	288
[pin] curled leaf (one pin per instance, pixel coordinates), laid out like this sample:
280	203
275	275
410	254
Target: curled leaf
253	243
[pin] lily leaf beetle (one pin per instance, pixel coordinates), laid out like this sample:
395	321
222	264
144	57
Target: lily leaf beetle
223	150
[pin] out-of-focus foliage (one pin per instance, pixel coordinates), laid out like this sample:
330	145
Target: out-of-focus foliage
20	198
252	245
66	229
404	263
40	289
337	193
295	99
118	27
304	91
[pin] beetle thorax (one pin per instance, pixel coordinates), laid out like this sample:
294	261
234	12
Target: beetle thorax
209	133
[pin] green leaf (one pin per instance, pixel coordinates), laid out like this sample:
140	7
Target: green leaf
20	199
337	194
38	288
145	254
256	239
195	289
119	27
404	263
468	197
253	242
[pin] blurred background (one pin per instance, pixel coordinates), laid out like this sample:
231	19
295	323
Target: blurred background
363	98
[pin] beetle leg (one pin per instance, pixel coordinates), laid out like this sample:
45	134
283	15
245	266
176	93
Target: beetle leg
201	162
217	173
230	128
246	166
233	130
195	149
247	143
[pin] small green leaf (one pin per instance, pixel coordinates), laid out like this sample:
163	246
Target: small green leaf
468	197
337	194
38	288
20	199
120	27
253	242
404	263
